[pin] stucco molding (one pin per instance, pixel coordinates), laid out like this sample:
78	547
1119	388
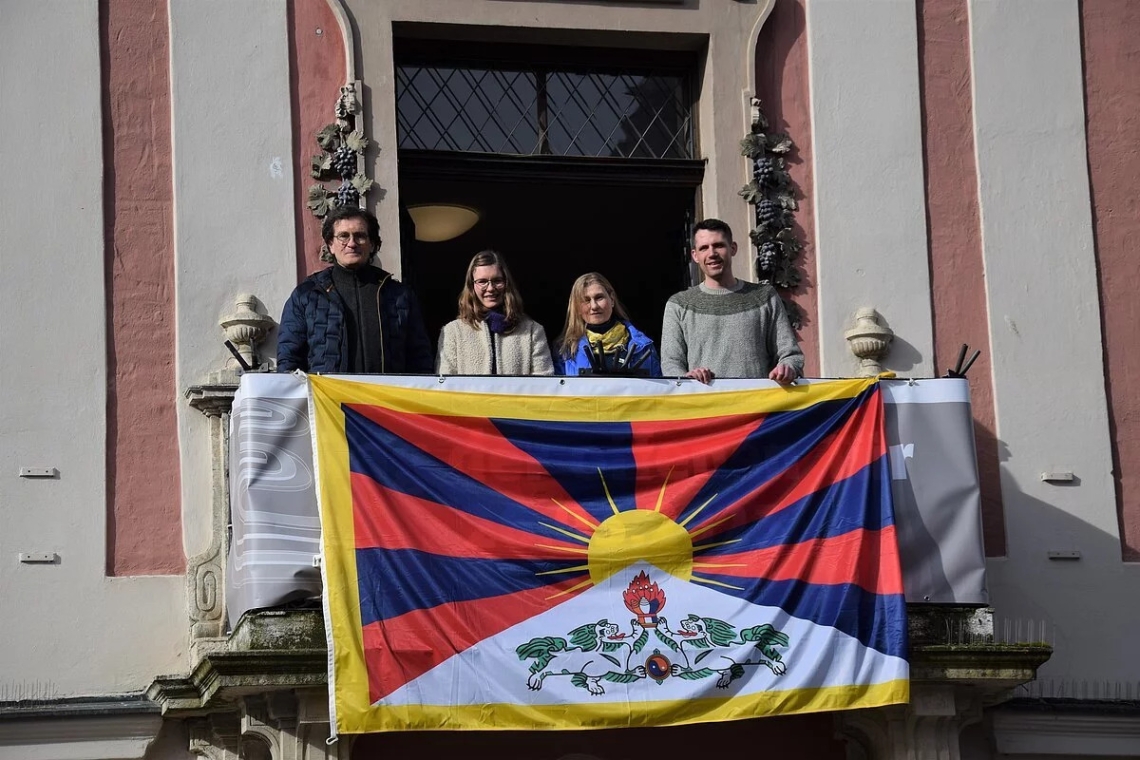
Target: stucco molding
348	36
1087	732
118	736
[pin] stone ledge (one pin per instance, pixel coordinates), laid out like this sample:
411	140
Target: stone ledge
268	651
992	669
78	707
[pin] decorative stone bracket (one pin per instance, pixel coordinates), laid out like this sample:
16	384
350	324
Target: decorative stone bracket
279	726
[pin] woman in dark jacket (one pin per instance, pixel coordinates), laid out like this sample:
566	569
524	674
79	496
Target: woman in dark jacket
597	326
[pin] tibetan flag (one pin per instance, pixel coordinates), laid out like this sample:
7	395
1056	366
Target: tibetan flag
530	553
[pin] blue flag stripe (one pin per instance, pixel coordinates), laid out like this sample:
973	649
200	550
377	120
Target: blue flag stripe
878	621
860	501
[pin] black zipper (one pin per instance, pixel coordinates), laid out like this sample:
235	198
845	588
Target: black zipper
494	358
380	321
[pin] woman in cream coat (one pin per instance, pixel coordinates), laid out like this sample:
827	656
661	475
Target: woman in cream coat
492	335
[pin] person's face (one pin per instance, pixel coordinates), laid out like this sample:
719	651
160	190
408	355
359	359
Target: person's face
490	286
713	253
350	243
596	307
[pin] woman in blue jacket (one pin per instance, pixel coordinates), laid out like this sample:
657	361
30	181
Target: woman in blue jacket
599	336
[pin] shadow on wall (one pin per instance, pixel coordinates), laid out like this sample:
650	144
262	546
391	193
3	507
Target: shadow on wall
903	356
1080	604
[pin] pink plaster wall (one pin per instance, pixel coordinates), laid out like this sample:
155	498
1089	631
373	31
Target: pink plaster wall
1111	51
783	87
144	512
957	271
316	74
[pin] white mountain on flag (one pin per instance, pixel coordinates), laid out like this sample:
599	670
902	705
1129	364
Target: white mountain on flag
643	635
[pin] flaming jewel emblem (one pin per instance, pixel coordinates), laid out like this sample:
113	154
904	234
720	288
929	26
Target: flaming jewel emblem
645	599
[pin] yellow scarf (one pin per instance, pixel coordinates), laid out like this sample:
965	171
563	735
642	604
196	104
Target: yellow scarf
612	339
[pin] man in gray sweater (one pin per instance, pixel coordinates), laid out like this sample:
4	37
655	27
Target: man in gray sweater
724	326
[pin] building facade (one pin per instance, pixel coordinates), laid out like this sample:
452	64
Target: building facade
968	169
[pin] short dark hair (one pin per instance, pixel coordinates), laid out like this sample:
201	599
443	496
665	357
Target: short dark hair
713	225
351	212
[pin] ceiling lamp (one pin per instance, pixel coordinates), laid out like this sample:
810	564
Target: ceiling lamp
437	222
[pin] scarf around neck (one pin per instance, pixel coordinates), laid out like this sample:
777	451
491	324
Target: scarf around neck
497	322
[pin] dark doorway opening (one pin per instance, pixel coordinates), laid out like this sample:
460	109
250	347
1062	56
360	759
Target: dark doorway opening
577	159
552	224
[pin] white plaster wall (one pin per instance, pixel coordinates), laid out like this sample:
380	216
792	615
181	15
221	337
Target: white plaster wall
67	629
1046	340
722	118
233	197
870	213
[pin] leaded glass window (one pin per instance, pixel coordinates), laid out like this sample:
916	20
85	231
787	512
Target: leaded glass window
520	110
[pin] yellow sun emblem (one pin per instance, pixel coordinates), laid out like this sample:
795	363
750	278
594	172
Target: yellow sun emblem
637	535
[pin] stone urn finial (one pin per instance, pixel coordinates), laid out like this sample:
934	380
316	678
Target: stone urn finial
870	341
246	328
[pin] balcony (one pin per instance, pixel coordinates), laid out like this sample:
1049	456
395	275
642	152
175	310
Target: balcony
276	648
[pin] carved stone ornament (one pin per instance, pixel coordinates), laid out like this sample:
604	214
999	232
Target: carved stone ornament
347	106
270	727
341	159
772	195
870	341
246	327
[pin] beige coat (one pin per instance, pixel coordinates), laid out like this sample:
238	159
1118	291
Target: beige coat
466	350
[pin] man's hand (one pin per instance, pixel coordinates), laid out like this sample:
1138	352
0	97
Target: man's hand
701	374
783	374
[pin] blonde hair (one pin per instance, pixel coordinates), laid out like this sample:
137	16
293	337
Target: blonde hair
471	309
575	325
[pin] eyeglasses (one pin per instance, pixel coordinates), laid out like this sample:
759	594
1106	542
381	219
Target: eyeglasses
496	283
360	237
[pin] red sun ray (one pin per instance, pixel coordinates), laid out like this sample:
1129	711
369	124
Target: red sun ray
869	558
688	452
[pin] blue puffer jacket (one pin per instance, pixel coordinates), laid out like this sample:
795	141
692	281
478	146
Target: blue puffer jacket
641	346
312	332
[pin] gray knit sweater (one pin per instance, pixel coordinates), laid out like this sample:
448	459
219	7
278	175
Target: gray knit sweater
738	332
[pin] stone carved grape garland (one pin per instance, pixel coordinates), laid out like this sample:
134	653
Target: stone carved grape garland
341	158
772	194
